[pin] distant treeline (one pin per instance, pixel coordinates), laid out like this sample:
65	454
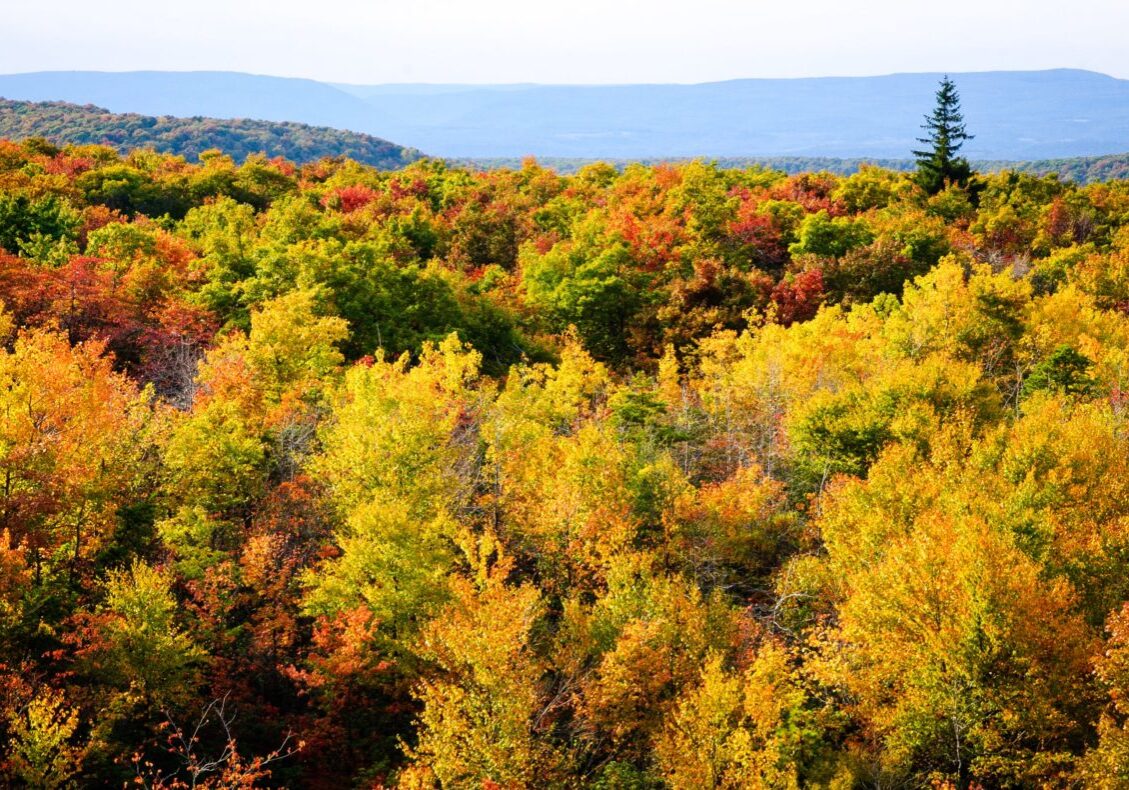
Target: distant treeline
1081	170
71	124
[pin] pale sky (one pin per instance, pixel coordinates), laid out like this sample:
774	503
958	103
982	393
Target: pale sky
555	41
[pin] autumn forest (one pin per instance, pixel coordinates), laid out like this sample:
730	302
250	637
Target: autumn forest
670	476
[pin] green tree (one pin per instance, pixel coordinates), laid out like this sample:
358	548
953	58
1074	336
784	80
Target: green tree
939	164
137	643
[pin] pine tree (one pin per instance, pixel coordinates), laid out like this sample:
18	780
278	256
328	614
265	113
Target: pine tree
940	164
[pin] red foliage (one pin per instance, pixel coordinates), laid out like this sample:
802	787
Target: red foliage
654	242
759	233
799	298
88	302
62	164
810	190
283	166
399	189
349	199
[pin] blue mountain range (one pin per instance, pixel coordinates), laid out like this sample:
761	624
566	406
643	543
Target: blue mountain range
1013	114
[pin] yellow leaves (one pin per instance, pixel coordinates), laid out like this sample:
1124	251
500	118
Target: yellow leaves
749	384
215	459
742	520
557	474
1104	276
7	324
484	629
406	431
557	396
960	309
1071	317
42	752
844	432
479	722
935	606
139	645
14	576
869	188
290	343
858	520
703	745
958	626
670	388
392	563
740	731
647	636
1106	766
274	374
399	458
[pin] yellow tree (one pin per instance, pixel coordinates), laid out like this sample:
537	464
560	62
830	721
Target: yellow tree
485	717
399	460
756	729
963	659
43	752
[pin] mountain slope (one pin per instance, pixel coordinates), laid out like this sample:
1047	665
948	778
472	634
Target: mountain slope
1014	115
65	123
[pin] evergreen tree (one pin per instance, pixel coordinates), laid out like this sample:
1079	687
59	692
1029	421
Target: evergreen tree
939	163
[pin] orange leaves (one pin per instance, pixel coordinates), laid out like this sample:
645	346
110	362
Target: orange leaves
15	575
950	638
342	651
742	521
480	721
66	422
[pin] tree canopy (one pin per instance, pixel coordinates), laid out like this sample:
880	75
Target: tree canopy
316	475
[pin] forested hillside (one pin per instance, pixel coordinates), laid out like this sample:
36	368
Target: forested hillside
318	476
71	124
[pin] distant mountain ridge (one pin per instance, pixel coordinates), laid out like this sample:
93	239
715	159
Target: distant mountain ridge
64	123
1015	115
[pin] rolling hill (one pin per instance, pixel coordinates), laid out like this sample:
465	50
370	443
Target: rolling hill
64	123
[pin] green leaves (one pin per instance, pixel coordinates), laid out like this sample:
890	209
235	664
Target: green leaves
139	644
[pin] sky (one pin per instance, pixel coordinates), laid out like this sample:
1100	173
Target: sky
564	41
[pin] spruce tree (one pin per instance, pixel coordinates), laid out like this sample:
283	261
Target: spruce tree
940	164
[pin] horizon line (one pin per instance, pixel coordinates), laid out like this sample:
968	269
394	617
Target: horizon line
348	84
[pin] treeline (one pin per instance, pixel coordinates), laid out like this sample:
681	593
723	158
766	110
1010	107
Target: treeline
676	476
70	124
790	165
1080	170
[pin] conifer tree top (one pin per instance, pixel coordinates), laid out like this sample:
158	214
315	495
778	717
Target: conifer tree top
946	132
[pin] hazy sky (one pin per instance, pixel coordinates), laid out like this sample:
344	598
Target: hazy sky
588	41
